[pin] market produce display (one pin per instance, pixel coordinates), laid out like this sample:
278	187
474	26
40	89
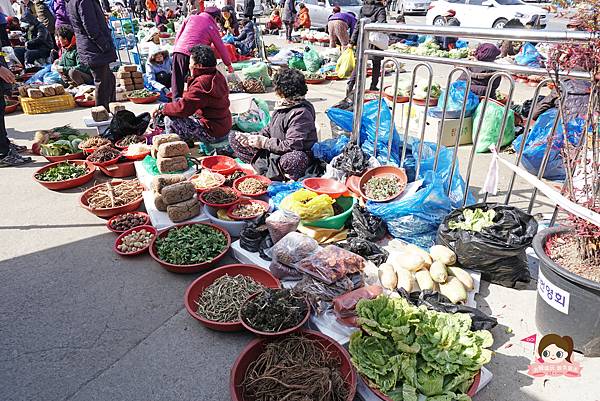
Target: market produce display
111	195
379	188
274	310
422	87
137	149
432	49
220	196
127	221
244	210
252	186
141	93
405	351
191	244
103	154
295	368
58	141
331	264
130	140
308	205
94	142
474	220
207	180
135	241
63	171
234	176
221	301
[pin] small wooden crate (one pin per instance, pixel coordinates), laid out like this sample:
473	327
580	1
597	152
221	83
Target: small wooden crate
47	104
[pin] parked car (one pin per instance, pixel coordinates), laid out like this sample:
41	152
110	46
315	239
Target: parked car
485	13
412	6
320	10
259	8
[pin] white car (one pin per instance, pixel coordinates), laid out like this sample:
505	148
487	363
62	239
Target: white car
320	10
412	6
485	13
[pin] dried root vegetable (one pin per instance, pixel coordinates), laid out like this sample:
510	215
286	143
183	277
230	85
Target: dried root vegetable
111	195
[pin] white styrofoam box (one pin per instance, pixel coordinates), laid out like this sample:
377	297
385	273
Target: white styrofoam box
160	220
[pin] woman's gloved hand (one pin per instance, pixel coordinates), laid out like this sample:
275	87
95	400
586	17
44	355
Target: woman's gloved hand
257	141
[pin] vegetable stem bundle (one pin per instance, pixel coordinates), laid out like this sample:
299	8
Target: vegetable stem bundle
114	195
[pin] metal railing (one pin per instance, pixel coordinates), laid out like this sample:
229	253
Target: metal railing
503	72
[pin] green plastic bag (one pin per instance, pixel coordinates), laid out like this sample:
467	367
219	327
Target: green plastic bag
312	60
297	62
254	119
490	128
258	71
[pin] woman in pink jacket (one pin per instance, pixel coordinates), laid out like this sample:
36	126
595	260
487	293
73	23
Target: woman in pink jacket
201	29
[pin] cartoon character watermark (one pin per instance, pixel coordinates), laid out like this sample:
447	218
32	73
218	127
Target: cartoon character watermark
555	358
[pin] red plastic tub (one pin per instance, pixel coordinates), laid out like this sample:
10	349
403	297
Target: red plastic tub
84	103
256	346
222	205
139	156
11	106
111	211
71	156
106	163
194	290
281	333
237	182
231	209
119	170
119	240
219	164
388	96
66	184
144	100
383	171
141	214
326	186
220	180
422	102
195	268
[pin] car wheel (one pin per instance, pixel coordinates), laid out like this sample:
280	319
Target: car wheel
499	24
439	21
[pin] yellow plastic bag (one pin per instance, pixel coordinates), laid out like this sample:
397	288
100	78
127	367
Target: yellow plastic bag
308	205
345	64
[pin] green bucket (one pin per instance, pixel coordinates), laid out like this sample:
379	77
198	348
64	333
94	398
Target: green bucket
335	222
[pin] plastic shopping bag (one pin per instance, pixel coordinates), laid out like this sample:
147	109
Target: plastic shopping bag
297	62
490	128
254	119
528	55
258	71
345	64
537	141
308	205
279	190
456	98
330	148
312	60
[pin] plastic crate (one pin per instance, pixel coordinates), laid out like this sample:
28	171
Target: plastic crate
47	104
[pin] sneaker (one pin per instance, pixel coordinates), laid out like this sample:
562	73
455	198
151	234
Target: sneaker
18	148
13	159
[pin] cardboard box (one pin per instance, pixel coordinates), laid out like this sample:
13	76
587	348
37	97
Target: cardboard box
123	75
128	68
450	130
125	81
138	81
137	74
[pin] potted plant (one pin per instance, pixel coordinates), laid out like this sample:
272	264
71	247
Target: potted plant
569	254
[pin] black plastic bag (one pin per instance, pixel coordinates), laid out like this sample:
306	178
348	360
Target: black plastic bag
126	123
437	302
366	249
364	225
253	234
352	161
498	251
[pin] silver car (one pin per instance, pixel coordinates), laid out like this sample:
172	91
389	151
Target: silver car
320	10
412	6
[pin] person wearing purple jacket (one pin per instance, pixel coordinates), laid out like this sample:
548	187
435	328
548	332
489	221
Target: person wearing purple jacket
60	12
340	26
94	46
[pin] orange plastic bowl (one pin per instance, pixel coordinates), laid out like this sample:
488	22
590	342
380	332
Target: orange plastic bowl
326	186
231	210
71	156
119	170
110	211
195	289
237	194
193	268
66	184
383	171
144	100
220	180
140	214
265	180
219	164
119	241
256	347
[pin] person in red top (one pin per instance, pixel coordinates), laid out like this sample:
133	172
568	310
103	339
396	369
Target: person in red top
274	24
152	7
202	114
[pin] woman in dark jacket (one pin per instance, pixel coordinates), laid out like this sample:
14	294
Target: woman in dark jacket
480	76
375	11
202	114
38	43
283	149
229	23
246	41
94	46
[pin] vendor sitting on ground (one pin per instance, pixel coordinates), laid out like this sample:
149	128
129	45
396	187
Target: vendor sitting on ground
274	24
480	76
303	18
246	41
284	147
38	43
229	23
161	20
158	70
68	65
202	114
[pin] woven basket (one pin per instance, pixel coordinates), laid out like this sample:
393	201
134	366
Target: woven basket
47	104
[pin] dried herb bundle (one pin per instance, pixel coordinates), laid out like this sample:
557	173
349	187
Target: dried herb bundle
295	369
221	301
274	310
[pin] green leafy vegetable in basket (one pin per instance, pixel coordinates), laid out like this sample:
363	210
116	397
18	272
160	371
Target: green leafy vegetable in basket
475	220
141	93
405	351
63	171
188	245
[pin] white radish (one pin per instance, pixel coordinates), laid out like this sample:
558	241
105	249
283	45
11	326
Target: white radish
463	276
443	254
453	290
438	272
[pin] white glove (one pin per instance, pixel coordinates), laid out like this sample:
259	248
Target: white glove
257	141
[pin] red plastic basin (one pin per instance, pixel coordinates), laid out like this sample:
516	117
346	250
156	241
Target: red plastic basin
119	170
72	156
144	100
66	184
326	186
231	209
383	171
267	181
194	290
119	241
106	163
256	347
202	196
219	164
140	214
111	211
275	334
194	268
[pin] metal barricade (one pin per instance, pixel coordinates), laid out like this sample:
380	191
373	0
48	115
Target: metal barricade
504	71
